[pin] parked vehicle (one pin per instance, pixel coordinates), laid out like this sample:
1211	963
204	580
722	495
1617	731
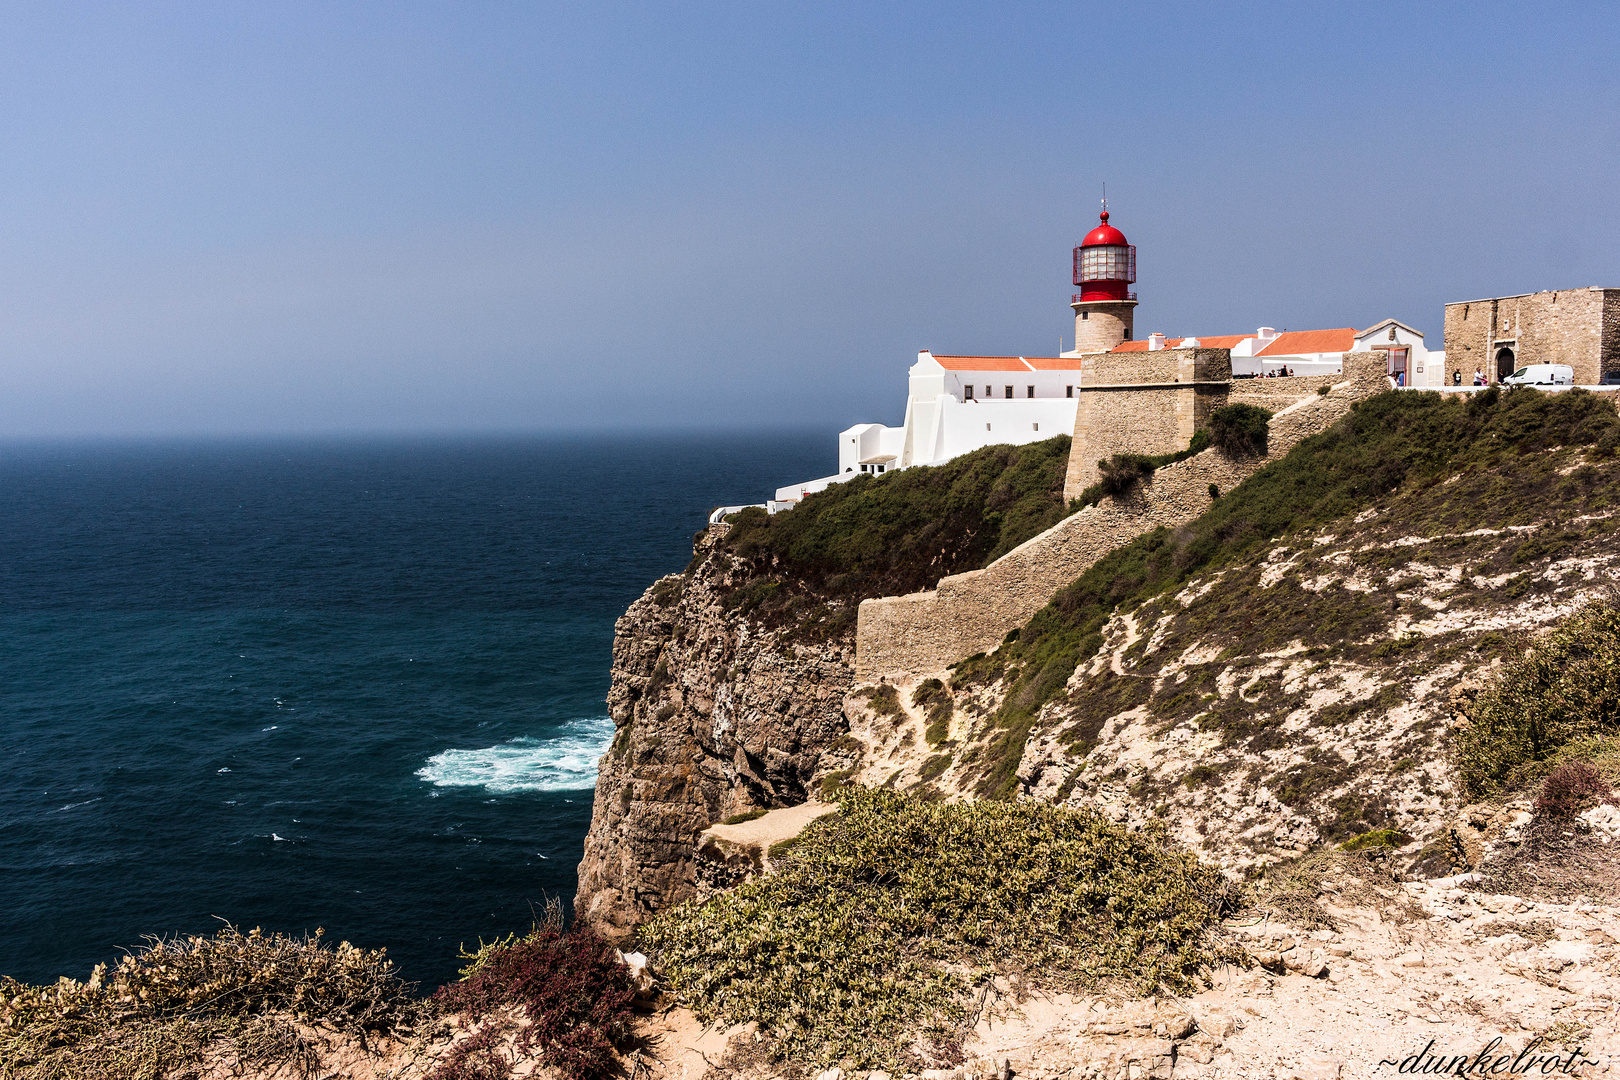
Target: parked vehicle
1610	378
1542	375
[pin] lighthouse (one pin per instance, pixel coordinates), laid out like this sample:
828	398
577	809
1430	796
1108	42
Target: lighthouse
1104	269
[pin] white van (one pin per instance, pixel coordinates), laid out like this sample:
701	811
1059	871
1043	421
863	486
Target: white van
1542	375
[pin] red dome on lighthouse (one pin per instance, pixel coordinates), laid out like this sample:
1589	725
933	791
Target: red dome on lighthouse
1104	264
1104	234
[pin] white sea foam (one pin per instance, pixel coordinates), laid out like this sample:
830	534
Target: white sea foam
564	762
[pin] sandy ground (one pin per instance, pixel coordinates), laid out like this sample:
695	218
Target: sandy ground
777	825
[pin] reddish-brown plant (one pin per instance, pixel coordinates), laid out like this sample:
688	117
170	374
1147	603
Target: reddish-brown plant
1571	788
570	988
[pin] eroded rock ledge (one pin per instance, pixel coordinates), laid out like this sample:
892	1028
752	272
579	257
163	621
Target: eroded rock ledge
715	715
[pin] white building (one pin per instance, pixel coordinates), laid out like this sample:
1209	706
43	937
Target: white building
1408	362
956	404
960	403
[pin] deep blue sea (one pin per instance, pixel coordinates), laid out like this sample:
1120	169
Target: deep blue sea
352	685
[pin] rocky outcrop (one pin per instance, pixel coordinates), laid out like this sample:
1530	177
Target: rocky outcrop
715	715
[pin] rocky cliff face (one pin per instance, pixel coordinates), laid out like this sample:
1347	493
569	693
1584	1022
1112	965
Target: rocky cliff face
716	714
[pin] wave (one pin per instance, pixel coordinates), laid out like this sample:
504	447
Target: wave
563	762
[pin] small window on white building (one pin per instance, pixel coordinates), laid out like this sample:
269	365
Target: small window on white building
987	427
1009	392
1068	391
989	391
968	392
1037	427
880	468
1031	392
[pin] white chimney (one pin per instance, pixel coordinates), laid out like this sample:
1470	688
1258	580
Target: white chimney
1266	333
1155	342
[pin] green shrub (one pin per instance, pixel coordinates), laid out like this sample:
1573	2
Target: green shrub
1240	430
932	696
746	815
834	782
888	914
1122	472
1377	838
885	701
1564	687
667	591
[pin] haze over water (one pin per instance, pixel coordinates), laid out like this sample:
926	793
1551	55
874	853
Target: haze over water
355	685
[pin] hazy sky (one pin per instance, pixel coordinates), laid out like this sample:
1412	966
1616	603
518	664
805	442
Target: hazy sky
313	218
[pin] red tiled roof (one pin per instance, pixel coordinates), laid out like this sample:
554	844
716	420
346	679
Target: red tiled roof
1295	342
1054	363
981	363
1225	341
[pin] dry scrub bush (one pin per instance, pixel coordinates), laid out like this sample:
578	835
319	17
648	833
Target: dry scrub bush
887	915
1565	688
1571	788
161	1009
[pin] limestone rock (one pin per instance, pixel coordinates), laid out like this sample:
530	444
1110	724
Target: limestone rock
714	715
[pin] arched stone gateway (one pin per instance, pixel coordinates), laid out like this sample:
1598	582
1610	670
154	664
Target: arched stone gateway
1504	363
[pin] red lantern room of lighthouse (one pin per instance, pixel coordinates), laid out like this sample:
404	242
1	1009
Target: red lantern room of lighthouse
1104	268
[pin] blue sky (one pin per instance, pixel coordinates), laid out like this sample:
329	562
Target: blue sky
398	217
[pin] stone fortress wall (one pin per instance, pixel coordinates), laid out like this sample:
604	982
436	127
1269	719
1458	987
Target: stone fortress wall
1578	327
1142	403
972	612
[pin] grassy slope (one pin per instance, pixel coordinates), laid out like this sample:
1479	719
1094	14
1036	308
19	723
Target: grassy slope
893	534
1398	447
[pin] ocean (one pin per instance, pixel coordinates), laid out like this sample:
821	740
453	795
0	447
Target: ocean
356	685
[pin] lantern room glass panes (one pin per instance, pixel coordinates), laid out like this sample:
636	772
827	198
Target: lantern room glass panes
1108	262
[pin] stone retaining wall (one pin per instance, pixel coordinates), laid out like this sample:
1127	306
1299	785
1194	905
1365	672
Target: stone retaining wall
1278	393
972	612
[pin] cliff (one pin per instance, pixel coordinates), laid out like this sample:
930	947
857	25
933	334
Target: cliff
1278	672
715	714
729	679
